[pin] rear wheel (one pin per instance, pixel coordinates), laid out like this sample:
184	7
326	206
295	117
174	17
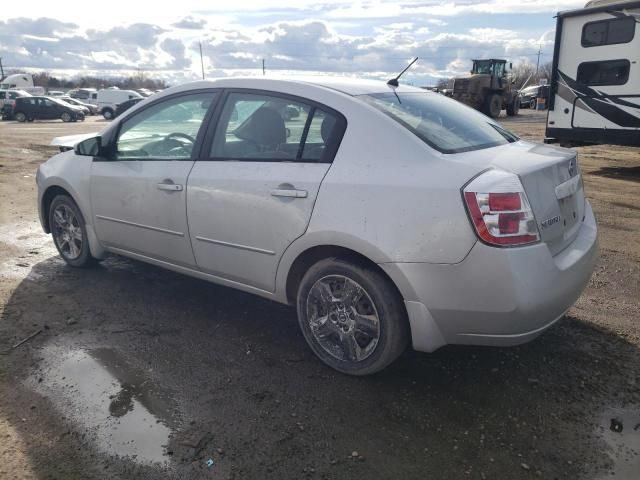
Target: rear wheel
107	113
514	107
533	104
66	117
21	117
69	232
493	105
351	316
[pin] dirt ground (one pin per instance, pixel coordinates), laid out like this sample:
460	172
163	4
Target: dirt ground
142	373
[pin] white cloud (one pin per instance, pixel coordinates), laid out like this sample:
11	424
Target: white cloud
336	36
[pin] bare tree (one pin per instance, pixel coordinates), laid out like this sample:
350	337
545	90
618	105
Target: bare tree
442	83
523	74
545	71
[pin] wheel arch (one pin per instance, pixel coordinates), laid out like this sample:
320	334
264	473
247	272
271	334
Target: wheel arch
47	197
53	190
305	259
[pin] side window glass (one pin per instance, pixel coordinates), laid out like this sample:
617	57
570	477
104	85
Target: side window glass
608	32
320	137
607	72
165	131
260	127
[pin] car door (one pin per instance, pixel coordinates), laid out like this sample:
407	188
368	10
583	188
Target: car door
49	109
251	193
38	109
138	195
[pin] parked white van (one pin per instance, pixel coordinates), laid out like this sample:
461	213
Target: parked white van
107	100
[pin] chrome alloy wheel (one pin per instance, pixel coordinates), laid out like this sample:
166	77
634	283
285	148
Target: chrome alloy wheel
67	232
343	318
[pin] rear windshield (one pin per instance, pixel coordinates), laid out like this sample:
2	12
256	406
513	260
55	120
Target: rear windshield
443	123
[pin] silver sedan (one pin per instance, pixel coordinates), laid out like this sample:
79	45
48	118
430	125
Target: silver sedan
386	215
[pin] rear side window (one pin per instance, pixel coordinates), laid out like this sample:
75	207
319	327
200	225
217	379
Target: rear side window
263	127
607	72
443	123
608	32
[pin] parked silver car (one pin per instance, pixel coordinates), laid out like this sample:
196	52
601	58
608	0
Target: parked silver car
385	215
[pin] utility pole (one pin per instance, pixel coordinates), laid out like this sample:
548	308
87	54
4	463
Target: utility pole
1	69
263	70
201	60
538	62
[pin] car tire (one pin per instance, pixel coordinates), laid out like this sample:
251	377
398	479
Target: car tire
533	104
365	325
31	119
107	113
69	232
20	117
493	105
66	117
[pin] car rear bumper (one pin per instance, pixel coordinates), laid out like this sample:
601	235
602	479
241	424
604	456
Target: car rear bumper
495	296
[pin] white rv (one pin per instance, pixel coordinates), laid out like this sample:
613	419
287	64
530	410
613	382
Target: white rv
595	83
108	99
21	81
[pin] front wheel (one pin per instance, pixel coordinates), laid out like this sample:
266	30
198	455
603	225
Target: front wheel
533	104
66	117
493	105
69	232
21	117
352	316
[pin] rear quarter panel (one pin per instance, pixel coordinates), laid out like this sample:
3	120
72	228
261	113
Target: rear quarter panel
389	196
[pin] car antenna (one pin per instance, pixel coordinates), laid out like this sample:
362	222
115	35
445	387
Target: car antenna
394	81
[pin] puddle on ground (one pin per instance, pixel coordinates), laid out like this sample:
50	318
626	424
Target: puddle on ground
122	412
620	429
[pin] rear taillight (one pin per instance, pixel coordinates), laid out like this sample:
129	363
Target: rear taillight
499	209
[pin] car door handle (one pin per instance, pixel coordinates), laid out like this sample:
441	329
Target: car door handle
289	192
171	187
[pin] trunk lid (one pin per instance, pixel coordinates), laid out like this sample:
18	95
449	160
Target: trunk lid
552	181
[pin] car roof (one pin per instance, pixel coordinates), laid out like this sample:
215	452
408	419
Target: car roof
347	85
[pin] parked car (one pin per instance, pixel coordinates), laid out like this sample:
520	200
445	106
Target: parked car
8	101
529	96
126	105
45	108
88	108
55	93
386	215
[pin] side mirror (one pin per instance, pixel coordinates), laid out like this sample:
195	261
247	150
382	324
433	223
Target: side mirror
90	147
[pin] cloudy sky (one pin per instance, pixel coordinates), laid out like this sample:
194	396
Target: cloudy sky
366	38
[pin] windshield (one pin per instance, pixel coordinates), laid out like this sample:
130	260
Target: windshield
443	123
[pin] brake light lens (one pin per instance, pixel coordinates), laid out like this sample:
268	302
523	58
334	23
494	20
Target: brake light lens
499	210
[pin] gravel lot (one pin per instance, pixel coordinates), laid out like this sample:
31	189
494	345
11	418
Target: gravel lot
142	373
